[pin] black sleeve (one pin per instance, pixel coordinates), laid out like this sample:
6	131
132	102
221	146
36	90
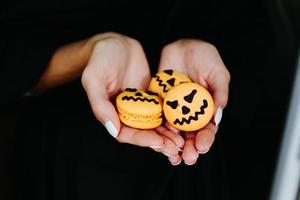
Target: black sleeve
214	21
25	49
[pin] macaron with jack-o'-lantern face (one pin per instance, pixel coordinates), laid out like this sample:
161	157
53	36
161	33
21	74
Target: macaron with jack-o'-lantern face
139	109
188	107
163	81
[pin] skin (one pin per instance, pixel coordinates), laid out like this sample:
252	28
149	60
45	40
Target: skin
203	64
125	66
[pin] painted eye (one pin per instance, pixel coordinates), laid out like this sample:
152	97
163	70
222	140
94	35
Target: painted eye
172	104
131	89
189	98
151	93
169	71
138	94
171	81
185	110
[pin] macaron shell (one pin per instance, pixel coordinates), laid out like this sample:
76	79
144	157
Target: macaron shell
188	107
139	110
163	81
139	105
141	124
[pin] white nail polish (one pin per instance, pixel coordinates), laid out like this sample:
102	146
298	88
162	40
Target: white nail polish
169	155
218	116
157	147
191	163
203	152
111	128
178	148
175	164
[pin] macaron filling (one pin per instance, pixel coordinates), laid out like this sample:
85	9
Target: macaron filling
140	118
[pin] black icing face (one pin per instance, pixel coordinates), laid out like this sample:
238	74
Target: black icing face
188	108
166	84
163	81
195	116
132	94
131	89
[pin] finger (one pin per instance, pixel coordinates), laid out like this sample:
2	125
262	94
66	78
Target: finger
169	149
205	138
171	58
138	71
102	108
190	154
170	127
177	139
219	86
143	138
175	161
163	65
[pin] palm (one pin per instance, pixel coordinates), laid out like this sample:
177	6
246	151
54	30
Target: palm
118	62
202	63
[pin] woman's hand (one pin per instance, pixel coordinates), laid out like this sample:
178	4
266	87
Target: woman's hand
203	64
118	62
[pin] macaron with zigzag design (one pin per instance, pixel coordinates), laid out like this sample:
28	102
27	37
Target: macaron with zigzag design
163	81
139	109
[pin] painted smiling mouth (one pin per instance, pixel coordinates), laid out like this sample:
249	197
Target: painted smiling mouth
128	98
195	117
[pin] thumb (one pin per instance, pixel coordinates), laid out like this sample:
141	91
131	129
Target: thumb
219	85
102	108
171	58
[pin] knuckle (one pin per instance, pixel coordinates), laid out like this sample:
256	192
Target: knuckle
210	46
84	79
112	34
227	74
115	42
169	48
120	140
134	43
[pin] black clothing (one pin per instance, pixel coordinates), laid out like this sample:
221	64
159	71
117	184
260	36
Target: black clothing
62	152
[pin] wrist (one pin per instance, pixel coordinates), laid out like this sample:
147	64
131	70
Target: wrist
68	63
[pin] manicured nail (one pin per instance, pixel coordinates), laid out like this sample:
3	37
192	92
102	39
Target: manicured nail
157	147
169	155
191	163
177	163
111	129
218	116
203	151
178	148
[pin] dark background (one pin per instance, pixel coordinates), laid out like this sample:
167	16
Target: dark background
258	103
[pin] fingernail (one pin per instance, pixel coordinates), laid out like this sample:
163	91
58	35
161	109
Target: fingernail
191	163
177	163
111	129
203	151
169	155
174	130
178	148
157	147
218	116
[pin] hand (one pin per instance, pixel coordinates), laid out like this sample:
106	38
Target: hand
118	62
203	64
